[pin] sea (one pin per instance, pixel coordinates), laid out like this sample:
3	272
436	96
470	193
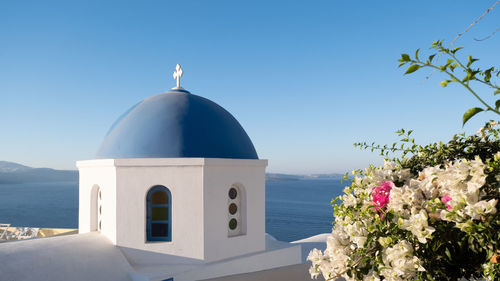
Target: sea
295	209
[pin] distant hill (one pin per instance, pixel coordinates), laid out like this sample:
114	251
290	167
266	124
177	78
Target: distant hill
283	177
11	172
16	173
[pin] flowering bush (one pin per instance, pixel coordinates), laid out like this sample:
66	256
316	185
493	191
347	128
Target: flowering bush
429	216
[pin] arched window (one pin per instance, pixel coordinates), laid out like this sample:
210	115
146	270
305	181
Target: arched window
99	210
159	214
95	208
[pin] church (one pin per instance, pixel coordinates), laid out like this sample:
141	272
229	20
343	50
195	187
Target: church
176	192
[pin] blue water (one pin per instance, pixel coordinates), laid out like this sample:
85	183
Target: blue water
294	209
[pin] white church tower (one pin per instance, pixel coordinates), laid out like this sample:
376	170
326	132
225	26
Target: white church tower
176	174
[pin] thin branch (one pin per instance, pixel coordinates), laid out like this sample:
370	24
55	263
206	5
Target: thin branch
487	11
463	84
463	32
489	36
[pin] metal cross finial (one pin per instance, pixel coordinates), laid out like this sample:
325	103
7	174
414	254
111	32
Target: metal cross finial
177	75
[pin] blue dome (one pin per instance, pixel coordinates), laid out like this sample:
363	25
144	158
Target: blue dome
177	124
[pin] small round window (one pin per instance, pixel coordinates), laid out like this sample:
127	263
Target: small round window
233	208
233	193
233	223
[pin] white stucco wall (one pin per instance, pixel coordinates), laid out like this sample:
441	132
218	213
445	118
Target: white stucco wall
103	174
219	176
184	180
199	188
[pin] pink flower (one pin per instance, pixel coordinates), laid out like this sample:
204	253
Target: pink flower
380	194
445	199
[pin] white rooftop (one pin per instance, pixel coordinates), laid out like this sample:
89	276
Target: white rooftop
91	256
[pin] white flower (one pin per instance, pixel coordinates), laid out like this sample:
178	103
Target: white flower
465	226
429	184
385	241
316	257
482	132
481	208
333	261
371	276
400	263
398	201
357	233
418	226
490	125
349	200
402	199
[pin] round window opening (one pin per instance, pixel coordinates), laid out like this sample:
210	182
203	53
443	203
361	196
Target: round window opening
233	193
233	223
233	209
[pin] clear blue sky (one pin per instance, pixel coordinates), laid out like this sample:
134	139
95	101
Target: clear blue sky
305	79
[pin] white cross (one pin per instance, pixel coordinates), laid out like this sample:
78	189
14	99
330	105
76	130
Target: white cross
177	75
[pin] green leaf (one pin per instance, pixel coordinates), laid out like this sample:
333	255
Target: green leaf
448	254
416	54
471	60
456	49
497	104
444	83
412	68
346	176
496	92
405	57
487	74
471	112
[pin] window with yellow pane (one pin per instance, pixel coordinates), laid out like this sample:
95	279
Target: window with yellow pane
159	214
